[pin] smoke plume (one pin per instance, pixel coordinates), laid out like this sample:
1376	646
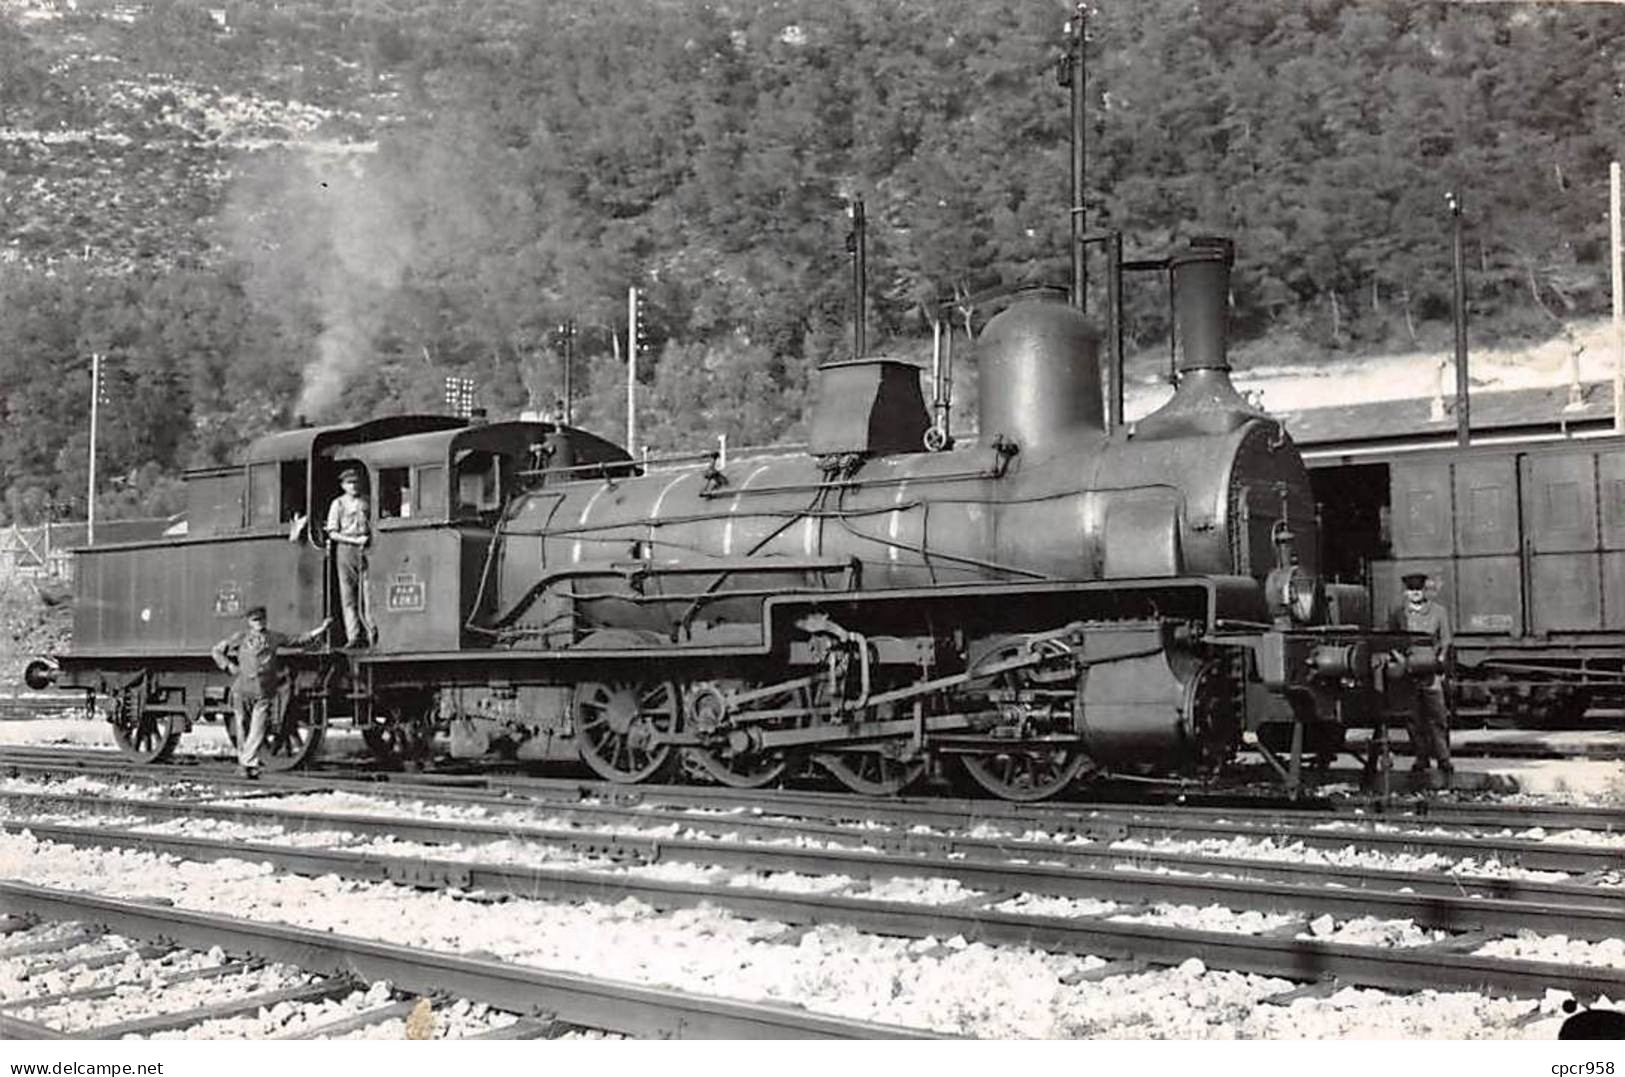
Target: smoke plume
322	237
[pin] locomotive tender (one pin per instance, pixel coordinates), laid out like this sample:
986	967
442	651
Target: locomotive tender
1057	600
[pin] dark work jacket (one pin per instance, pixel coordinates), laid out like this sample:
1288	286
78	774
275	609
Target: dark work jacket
1431	620
258	666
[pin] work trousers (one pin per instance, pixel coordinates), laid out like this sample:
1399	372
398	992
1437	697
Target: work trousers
1430	726
253	706
352	570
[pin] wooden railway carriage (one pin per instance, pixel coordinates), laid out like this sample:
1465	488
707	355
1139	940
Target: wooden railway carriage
1059	598
1525	536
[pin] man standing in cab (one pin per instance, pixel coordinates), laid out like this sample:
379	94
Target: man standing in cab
250	655
1430	715
349	533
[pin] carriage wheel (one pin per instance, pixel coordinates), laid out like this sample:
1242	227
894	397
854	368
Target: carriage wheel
141	734
616	724
294	735
1026	774
872	773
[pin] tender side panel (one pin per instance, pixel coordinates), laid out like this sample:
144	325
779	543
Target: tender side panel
188	595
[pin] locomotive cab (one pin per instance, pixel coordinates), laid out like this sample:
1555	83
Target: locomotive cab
437	498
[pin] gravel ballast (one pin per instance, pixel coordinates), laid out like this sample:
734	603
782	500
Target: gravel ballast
945	985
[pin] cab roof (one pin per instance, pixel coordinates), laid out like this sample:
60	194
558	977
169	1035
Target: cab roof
306	441
438	446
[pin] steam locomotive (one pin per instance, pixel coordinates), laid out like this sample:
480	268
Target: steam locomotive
1055	601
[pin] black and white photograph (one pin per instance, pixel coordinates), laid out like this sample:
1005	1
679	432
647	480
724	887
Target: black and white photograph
555	522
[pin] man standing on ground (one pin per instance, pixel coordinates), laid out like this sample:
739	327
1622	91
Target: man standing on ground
349	532
250	656
1430	717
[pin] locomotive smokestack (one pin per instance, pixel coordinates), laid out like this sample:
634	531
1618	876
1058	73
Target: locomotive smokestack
1201	302
1205	401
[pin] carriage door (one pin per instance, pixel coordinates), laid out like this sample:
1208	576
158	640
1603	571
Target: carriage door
1560	542
1489	584
1611	492
1420	529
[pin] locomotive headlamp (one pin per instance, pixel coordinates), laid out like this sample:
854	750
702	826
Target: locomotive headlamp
1302	596
1293	594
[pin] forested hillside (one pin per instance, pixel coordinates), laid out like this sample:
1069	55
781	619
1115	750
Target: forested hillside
258	210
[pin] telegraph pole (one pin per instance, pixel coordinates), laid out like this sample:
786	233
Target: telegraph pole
567	333
632	369
1462	425
1073	76
95	400
1619	297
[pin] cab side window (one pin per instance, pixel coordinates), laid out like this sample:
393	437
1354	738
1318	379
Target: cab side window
263	495
394	493
293	490
478	487
431	491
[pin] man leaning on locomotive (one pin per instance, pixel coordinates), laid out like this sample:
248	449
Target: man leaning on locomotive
1430	714
250	656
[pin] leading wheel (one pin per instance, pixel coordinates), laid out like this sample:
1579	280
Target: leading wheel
616	724
141	734
1026	774
294	735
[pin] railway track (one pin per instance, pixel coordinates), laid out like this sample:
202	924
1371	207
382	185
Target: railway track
646	835
496	787
994	888
330	965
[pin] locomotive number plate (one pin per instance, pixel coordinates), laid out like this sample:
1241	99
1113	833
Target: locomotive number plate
405	593
228	600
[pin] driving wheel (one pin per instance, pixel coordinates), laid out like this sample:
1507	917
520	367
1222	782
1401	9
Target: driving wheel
728	756
1026	774
872	773
616	724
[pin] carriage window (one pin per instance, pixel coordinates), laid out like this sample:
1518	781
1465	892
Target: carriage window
394	492
262	495
431	491
477	486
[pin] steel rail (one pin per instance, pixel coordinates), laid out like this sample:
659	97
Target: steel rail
492	785
580	1000
1406	969
1591	921
952	857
